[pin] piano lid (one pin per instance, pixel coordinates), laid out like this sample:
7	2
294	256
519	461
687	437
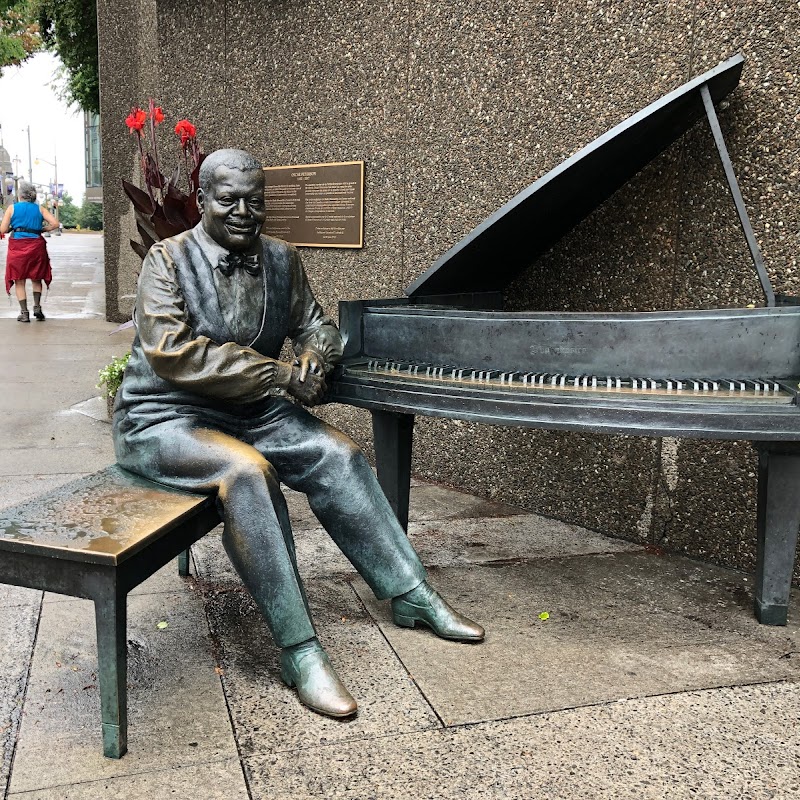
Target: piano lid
511	239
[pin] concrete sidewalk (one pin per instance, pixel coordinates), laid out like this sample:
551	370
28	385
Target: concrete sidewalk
649	679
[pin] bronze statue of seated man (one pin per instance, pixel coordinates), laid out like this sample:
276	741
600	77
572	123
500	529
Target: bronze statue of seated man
197	411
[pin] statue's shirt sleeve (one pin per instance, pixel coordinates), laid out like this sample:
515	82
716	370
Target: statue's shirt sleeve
227	371
309	327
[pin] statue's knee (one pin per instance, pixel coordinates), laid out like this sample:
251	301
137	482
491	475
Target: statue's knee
343	451
253	474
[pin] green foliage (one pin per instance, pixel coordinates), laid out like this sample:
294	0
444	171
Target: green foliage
19	31
90	216
69	28
68	212
111	375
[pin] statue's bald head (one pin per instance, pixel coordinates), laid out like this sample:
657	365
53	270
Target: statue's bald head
231	199
231	159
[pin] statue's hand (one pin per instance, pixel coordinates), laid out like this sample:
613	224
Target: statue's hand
308	388
309	362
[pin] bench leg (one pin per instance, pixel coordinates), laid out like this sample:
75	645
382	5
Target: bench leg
778	523
111	616
183	563
393	434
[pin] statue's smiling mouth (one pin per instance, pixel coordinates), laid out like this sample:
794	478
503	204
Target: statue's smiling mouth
241	226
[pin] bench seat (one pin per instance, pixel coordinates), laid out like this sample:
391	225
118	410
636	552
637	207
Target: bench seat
98	538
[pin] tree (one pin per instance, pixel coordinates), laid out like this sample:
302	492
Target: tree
68	212
69	28
91	215
19	31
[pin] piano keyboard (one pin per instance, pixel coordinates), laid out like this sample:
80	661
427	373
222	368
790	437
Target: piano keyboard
721	388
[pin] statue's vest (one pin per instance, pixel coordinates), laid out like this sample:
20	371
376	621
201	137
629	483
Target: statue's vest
194	274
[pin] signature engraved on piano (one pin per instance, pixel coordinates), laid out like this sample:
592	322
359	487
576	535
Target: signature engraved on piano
566	350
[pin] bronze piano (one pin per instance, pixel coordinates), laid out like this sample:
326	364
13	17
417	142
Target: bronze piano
449	350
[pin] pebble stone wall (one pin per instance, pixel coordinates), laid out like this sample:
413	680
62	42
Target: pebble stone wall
456	107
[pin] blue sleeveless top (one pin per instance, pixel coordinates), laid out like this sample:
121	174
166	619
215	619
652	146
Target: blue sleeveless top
26	215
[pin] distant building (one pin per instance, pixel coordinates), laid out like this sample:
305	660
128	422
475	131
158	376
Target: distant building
7	171
94	175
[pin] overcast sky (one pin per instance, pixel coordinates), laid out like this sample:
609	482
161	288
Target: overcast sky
26	98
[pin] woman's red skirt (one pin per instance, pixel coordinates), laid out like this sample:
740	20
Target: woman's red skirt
27	259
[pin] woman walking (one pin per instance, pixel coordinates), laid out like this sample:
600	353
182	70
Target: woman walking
27	257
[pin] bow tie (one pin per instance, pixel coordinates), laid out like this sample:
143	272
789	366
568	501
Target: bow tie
227	264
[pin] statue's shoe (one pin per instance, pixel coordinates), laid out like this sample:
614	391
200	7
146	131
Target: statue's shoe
306	667
424	605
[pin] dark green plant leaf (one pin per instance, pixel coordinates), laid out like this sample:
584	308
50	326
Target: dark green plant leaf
141	200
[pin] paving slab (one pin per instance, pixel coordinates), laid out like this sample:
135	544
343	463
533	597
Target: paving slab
222	780
58	460
53	430
177	711
19	488
17	636
428	501
267	716
596	646
731	743
17	596
442	542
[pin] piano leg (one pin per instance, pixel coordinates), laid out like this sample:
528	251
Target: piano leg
778	523
392	433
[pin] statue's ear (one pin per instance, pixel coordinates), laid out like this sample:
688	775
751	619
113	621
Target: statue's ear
201	196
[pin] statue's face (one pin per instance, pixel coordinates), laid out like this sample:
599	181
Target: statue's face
233	207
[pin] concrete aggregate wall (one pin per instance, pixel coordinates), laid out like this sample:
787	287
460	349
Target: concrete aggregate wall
457	107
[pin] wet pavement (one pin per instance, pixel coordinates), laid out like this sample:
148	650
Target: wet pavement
608	670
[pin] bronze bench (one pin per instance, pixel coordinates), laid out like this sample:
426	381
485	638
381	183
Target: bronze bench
99	537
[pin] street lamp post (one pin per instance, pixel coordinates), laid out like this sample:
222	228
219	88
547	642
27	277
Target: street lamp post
30	160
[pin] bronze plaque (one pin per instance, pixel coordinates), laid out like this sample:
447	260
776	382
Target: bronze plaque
316	205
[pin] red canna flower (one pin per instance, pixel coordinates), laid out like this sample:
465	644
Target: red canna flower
135	120
157	114
185	130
